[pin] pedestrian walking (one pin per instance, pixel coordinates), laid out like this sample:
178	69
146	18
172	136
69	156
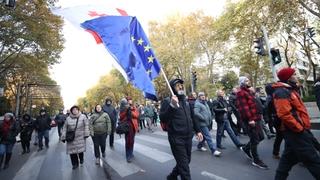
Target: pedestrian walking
99	126
148	115
129	113
43	126
78	123
26	129
9	129
113	114
175	111
248	110
222	109
203	115
295	124
60	119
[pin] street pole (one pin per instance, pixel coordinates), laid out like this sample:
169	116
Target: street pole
18	100
266	39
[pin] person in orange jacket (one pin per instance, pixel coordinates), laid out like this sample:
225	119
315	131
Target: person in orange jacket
295	124
128	112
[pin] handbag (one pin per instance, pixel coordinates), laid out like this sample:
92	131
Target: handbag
70	135
123	127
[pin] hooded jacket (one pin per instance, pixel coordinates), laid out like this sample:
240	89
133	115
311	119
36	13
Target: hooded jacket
179	119
290	108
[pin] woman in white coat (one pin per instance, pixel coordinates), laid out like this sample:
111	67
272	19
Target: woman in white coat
76	147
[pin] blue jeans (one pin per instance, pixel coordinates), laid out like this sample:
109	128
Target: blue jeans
6	148
206	137
44	134
225	125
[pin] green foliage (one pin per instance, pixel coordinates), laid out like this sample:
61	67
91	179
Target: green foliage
229	81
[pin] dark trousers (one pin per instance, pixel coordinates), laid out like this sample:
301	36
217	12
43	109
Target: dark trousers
142	123
277	142
75	158
45	134
111	136
25	145
181	150
60	126
129	138
99	143
299	147
256	135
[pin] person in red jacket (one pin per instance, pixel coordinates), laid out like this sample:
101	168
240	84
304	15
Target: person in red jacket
295	124
249	115
128	112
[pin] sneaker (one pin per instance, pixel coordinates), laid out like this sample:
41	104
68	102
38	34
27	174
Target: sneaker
240	145
103	155
75	167
217	153
259	164
47	146
202	149
247	152
28	150
97	161
40	149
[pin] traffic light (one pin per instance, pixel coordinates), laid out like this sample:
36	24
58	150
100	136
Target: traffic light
9	3
311	32
194	79
275	56
258	45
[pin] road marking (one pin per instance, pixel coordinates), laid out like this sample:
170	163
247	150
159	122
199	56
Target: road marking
153	140
212	176
149	152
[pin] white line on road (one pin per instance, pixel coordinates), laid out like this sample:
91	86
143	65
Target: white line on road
149	152
154	140
212	176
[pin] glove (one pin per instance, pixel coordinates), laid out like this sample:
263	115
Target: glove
252	123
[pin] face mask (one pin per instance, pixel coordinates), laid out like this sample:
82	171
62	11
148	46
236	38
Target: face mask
180	92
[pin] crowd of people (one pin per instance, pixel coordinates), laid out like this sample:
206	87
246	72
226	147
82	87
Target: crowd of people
280	113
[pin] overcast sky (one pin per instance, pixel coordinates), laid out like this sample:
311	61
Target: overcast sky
83	62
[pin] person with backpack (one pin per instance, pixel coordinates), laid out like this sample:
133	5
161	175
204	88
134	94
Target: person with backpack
248	110
295	125
175	112
100	127
272	116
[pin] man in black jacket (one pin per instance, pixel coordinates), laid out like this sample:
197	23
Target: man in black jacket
176	113
42	125
112	112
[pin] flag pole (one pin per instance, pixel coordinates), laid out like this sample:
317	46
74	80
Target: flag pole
165	77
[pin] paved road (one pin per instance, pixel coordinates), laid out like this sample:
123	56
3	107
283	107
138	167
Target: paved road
153	161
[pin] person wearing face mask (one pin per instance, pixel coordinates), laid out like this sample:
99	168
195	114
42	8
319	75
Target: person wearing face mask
176	113
9	129
249	114
203	115
112	112
222	109
295	125
100	127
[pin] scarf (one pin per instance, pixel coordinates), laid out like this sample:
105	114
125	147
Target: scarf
6	128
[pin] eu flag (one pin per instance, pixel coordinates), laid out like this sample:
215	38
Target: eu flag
126	41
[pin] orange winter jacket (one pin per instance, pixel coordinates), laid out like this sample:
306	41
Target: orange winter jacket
290	108
135	116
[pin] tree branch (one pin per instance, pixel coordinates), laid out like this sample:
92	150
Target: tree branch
309	9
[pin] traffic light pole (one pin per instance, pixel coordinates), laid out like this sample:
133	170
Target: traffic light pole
266	39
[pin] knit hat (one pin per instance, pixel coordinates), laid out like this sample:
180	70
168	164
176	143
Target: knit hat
201	94
242	80
9	115
285	73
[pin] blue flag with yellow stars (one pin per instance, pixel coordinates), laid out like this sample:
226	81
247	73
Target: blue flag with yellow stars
126	41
